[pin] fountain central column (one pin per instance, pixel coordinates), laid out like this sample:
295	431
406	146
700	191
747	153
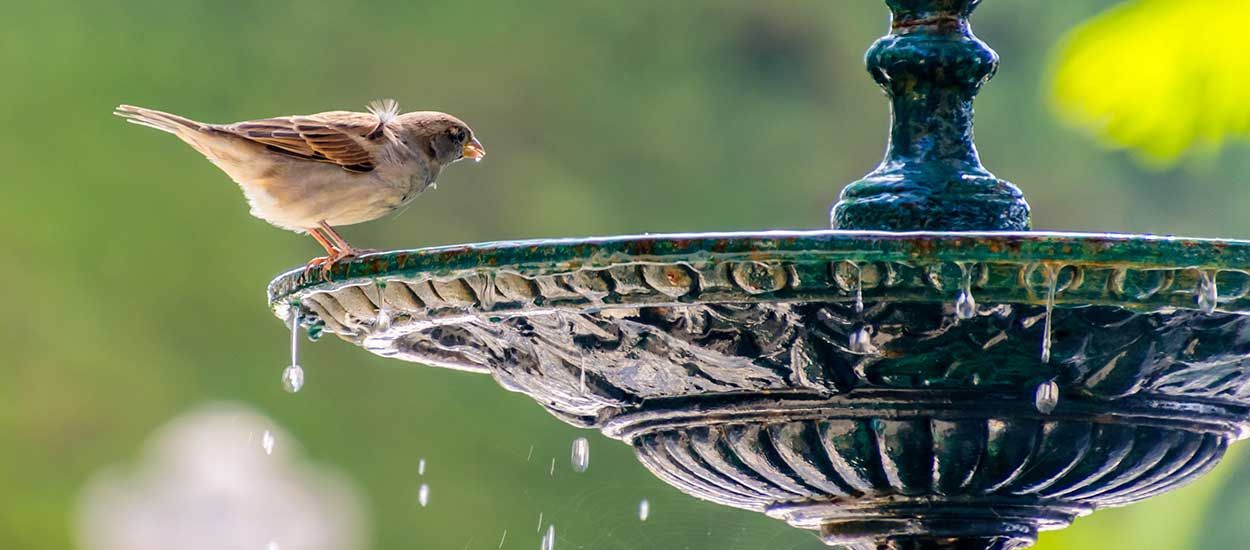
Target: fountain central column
931	66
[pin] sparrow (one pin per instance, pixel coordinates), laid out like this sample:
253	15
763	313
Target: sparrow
310	173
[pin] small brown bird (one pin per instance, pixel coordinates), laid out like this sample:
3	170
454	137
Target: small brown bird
310	173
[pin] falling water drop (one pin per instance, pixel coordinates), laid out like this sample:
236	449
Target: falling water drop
267	441
581	455
1206	293
861	340
423	495
552	471
549	539
1051	277
965	304
503	538
644	510
293	374
859	289
421	467
583	375
293	378
382	322
1046	398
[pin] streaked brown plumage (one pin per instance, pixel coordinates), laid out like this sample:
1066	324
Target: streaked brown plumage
313	172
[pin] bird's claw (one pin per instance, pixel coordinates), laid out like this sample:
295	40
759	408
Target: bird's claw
327	263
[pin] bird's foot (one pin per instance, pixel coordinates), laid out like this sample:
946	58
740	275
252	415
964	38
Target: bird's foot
323	262
327	263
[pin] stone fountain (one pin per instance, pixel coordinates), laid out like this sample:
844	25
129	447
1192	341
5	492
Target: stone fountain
929	374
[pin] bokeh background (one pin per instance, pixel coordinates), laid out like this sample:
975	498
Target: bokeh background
132	278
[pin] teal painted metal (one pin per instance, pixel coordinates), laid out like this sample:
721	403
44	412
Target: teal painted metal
931	66
730	362
1139	252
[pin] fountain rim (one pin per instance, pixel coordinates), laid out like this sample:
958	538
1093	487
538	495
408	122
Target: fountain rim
1139	251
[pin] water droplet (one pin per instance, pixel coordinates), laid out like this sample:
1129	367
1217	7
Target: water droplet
644	510
267	441
583	376
1052	276
552	471
503	538
549	540
423	495
1205	293
540	523
293	375
861	341
581	454
965	304
530	456
859	289
1046	398
293	378
421	467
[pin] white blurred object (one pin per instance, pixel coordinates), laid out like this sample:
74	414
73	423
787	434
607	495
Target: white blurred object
204	482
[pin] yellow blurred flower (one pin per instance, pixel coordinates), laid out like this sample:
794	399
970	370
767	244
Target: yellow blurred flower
1161	77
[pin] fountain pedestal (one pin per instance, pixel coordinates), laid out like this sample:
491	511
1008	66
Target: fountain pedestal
961	385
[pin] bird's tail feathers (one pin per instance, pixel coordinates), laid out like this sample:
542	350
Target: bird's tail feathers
160	120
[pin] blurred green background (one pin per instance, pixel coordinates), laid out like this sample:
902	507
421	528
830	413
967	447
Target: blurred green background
133	277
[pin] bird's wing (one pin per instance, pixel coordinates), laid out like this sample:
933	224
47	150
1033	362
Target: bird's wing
339	137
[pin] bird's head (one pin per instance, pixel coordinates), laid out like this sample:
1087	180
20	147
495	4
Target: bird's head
439	136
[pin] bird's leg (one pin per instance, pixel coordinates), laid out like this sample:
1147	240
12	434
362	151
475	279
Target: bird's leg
326	261
346	250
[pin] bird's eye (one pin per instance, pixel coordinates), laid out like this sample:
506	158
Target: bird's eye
456	134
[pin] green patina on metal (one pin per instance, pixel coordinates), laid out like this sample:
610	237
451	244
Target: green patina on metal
1227	261
931	66
928	375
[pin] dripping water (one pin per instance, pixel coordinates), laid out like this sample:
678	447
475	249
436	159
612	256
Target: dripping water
965	304
293	374
423	495
861	340
859	289
503	538
549	539
421	467
580	455
644	510
1051	278
382	322
1046	397
267	442
1205	293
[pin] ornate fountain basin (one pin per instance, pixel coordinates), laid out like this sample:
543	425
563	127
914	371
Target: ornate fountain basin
828	378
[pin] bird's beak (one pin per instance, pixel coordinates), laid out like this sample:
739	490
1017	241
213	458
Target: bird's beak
474	150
